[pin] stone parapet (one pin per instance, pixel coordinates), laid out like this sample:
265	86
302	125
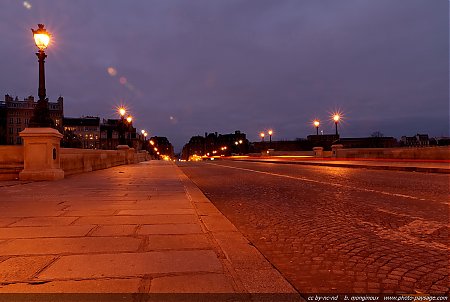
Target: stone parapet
41	154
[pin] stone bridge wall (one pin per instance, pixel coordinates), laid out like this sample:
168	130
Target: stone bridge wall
73	161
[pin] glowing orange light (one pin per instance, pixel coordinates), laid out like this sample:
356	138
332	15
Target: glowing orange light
262	134
152	143
122	111
270	132
316	123
336	117
145	134
129	119
41	37
156	149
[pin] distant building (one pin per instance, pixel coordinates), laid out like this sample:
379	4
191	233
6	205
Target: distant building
419	140
216	144
15	116
323	140
163	145
109	134
368	142
83	132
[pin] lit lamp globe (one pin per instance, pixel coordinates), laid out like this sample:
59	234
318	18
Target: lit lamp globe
122	111
129	119
41	37
317	124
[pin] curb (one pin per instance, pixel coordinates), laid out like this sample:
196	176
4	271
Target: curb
249	269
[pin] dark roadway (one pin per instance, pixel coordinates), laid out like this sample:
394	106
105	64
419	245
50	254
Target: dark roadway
338	230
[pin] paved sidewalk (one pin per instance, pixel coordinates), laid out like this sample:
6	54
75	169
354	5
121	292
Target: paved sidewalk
378	164
143	228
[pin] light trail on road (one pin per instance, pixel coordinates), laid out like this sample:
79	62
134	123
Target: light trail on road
322	182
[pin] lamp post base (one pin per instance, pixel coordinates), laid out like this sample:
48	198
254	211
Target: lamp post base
41	154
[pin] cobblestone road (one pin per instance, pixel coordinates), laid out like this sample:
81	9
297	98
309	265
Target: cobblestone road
338	230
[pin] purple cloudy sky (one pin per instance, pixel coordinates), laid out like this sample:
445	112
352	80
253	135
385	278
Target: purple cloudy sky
184	67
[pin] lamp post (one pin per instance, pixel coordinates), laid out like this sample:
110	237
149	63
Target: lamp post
317	124
129	121
121	129
336	119
41	114
262	136
270	136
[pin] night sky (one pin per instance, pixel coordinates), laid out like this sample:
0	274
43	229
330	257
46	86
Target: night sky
184	67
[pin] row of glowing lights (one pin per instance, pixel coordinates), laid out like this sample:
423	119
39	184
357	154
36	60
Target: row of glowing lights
336	118
122	111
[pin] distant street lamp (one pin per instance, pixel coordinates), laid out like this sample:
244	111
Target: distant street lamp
41	114
262	136
336	119
129	125
317	124
270	135
121	125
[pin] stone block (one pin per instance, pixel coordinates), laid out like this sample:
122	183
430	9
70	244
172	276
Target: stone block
22	268
205	283
170	229
132	264
78	245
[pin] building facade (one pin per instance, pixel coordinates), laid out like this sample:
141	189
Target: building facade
418	140
214	144
81	132
15	116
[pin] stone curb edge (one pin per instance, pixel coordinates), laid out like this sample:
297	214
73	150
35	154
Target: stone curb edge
249	269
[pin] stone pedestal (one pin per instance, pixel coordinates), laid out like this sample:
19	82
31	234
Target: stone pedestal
318	151
41	154
128	152
335	149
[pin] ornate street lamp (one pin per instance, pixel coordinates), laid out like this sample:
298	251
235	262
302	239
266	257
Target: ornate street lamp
129	125
270	136
336	118
121	127
41	114
317	124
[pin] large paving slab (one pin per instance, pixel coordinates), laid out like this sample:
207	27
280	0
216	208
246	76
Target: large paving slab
132	264
45	231
79	245
141	228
